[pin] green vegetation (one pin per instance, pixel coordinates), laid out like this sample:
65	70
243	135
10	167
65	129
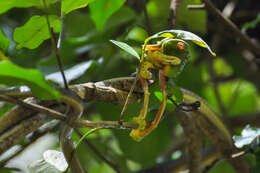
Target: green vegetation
84	33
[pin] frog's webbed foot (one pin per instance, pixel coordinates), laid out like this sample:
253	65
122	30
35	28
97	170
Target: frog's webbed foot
136	133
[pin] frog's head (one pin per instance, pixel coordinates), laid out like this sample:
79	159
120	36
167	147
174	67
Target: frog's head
178	48
175	47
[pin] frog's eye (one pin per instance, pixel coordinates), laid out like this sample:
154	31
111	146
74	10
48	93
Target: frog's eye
180	46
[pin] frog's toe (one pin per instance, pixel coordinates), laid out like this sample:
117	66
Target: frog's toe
135	134
141	123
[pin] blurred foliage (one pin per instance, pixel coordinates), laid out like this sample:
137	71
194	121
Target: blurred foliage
35	31
88	55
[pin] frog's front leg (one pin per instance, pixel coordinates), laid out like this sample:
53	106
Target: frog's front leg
159	58
143	75
142	131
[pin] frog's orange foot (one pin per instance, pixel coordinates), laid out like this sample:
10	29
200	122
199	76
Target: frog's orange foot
135	134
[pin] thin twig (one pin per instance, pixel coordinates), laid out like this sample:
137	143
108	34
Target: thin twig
227	12
77	124
193	139
99	154
56	50
36	107
173	13
59	44
215	88
147	19
244	38
128	97
196	7
185	107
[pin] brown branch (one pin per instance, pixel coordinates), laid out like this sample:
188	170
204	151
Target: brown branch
147	19
228	23
21	121
114	90
196	7
239	121
34	137
173	13
15	134
194	141
35	107
220	142
55	46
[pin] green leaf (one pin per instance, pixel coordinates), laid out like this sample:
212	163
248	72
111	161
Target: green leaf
35	31
137	34
9	4
185	35
239	97
8	170
138	152
101	10
186	16
126	48
2	56
172	89
222	68
175	91
4	41
11	74
102	168
70	5
222	166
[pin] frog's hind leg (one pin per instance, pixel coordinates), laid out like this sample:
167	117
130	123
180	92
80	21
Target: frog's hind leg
138	134
159	114
141	118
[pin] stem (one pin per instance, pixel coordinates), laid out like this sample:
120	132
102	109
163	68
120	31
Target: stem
55	48
147	19
244	38
59	44
100	155
35	107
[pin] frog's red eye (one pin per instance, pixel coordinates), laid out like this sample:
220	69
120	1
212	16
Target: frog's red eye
180	45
